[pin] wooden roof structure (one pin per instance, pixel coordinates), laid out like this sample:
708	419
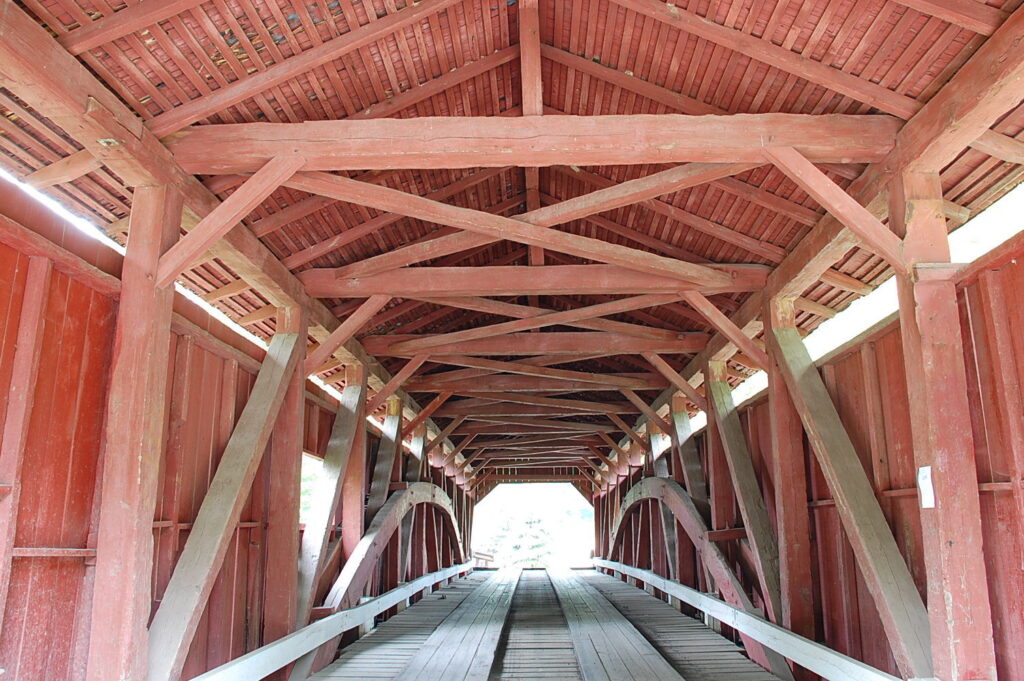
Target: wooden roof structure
536	219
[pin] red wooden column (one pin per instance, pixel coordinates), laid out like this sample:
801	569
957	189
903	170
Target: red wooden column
282	537
792	519
957	596
134	439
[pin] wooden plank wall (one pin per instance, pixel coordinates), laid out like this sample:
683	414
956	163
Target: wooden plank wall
48	599
44	632
868	386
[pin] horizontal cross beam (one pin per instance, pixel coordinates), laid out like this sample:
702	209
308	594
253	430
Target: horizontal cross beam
476	142
565	343
512	280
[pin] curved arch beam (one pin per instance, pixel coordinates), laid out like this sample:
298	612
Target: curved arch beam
673	497
349	585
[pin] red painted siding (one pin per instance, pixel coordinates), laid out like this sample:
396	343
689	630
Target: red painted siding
848	620
44	634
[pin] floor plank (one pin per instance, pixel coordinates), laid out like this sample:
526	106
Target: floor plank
692	648
387	650
608	646
536	645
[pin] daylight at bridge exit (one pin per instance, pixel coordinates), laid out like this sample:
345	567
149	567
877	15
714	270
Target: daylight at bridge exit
539	340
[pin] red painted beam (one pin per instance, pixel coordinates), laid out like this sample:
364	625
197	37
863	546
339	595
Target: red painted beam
478	142
564	343
511	280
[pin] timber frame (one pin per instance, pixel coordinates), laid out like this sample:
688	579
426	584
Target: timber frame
518	248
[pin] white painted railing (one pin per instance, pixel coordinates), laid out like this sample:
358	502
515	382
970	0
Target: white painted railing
822	660
273	656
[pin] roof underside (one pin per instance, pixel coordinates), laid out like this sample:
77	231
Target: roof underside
462	59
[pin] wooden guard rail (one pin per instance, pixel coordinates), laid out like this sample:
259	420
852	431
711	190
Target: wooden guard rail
822	660
273	656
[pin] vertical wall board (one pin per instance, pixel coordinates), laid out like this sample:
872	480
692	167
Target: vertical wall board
59	469
42	638
847	615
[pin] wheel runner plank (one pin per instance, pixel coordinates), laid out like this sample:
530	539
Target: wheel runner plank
463	646
536	645
693	649
608	647
387	650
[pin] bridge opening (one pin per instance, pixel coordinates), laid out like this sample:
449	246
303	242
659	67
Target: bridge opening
533	525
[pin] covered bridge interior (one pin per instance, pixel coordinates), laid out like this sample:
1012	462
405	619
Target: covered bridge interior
478	242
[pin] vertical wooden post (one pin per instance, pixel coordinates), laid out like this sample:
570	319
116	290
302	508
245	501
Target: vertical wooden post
353	493
416	466
746	487
690	470
720	493
347	432
958	599
282	536
20	397
388	452
791	515
134	437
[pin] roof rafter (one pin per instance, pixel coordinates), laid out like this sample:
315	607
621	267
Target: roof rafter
240	90
784	59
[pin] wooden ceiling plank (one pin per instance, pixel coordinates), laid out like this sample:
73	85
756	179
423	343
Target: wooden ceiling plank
965	108
281	72
489	141
119	24
970	14
791	62
436	86
224	217
56	85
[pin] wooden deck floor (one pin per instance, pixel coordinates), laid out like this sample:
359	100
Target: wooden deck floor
692	648
541	626
537	645
387	650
